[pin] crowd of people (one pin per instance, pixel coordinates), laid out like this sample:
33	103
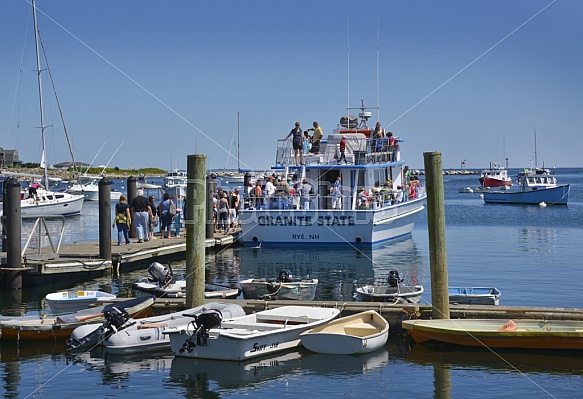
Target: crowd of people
146	217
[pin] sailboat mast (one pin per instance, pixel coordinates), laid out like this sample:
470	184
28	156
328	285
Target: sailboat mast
535	156
238	146
40	92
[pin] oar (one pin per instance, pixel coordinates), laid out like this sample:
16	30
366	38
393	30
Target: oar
64	319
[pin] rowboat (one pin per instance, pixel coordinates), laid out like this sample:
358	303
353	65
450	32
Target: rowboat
133	336
246	337
282	288
474	295
42	328
393	291
494	333
72	301
360	333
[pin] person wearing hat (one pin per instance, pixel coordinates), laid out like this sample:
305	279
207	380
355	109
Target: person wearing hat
142	213
343	150
297	143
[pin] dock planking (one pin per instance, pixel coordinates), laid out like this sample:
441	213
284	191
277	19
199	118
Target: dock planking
81	259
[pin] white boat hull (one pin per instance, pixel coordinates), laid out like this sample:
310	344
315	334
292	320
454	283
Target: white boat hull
361	333
330	227
52	204
250	336
64	302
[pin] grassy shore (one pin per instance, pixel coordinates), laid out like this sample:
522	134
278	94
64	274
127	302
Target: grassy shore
72	175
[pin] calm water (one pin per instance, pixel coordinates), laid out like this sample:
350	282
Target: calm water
533	255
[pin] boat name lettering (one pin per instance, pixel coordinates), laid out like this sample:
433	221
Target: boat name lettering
259	348
305	221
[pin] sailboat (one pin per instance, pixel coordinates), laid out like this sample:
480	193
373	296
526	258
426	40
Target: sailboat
47	202
235	177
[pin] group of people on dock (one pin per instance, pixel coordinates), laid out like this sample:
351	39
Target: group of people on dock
145	215
226	206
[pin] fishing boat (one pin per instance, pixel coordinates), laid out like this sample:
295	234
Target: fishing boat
282	288
393	291
495	176
59	327
474	295
360	333
72	301
123	336
163	284
495	333
536	186
337	214
209	336
46	202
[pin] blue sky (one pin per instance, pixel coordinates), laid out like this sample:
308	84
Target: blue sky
472	79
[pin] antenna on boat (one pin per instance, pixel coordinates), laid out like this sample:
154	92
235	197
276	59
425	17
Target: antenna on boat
535	155
348	69
378	64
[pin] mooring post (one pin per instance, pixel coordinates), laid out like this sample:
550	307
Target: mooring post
105	218
5	202
195	229
211	189
436	227
13	222
132	185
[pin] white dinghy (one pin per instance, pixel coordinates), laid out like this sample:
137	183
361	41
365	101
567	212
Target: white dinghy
360	333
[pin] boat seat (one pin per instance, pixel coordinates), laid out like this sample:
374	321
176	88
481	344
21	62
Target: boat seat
151	325
281	319
360	329
253	326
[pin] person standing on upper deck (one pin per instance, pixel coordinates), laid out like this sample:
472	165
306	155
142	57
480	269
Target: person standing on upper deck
318	135
297	143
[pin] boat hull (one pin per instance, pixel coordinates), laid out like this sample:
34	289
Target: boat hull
69	205
529	334
491	182
65	302
330	227
255	335
558	195
474	296
304	290
361	333
385	293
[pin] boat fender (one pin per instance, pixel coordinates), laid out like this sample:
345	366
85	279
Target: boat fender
202	323
509	326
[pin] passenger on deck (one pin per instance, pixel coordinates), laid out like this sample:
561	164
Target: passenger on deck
269	193
392	146
305	189
336	191
282	194
307	145
377	137
343	150
297	143
318	135
363	199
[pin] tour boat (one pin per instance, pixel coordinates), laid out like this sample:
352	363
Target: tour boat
355	219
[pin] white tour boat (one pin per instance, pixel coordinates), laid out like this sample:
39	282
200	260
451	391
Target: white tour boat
361	217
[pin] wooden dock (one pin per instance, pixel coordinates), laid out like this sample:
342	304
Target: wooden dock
81	260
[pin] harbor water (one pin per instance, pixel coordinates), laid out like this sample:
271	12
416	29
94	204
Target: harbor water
532	254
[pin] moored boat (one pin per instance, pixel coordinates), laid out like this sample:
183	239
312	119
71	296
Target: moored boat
393	291
333	209
53	328
495	333
474	295
495	176
360	333
249	336
72	301
132	336
284	287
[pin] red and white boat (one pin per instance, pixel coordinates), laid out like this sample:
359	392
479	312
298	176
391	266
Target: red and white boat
495	176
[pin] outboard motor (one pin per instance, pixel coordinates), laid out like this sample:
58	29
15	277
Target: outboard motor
160	274
115	320
285	276
394	278
202	323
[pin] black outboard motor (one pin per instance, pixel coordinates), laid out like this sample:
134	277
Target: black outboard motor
285	276
394	278
160	274
115	320
202	323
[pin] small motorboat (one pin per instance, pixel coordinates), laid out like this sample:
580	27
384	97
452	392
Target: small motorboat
394	291
466	190
360	333
496	333
122	336
53	328
163	284
72	301
208	336
474	295
284	287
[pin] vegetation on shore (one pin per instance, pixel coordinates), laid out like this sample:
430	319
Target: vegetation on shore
70	173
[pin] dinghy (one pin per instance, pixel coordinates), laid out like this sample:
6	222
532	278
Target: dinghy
360	333
72	301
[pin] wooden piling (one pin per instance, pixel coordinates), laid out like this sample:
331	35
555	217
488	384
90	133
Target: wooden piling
195	229
105	218
13	222
436	227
